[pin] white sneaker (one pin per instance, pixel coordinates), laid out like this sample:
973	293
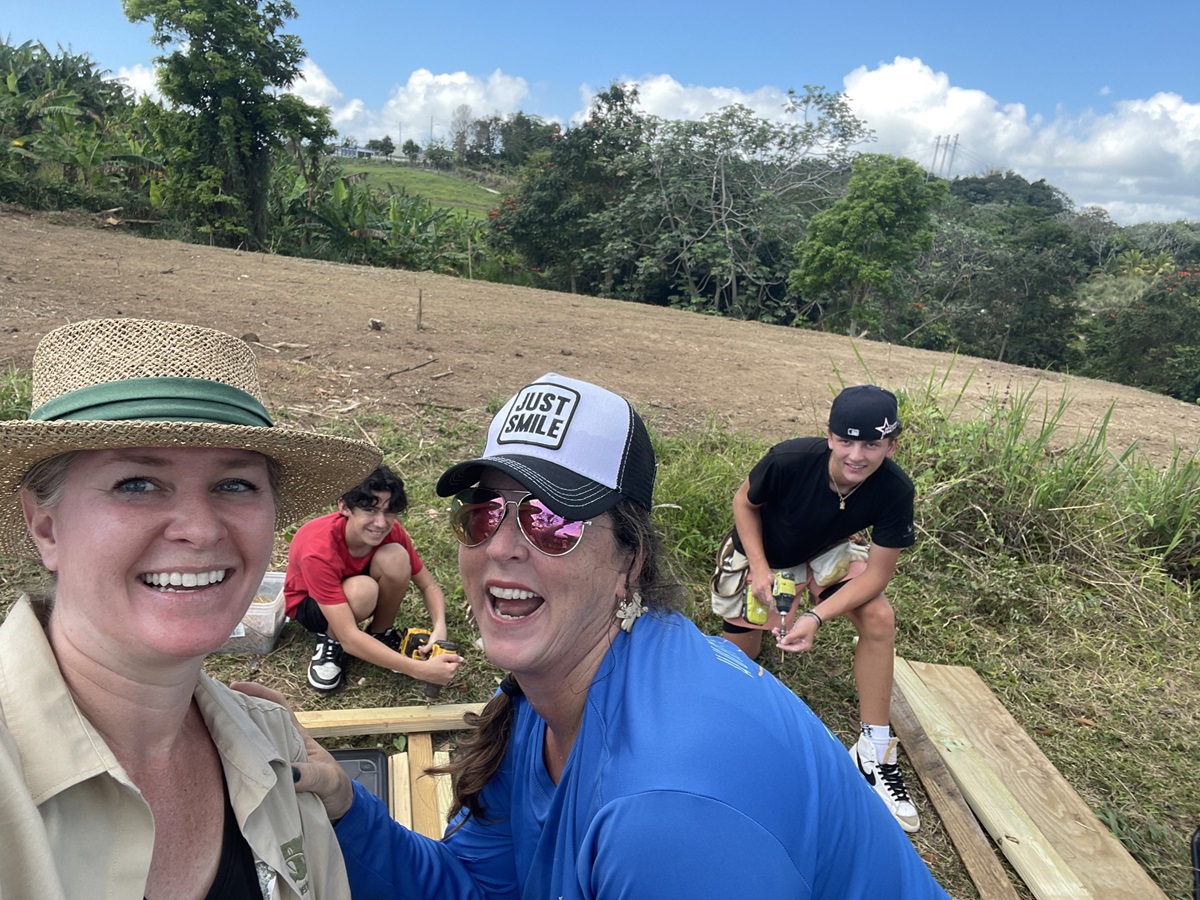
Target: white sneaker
328	664
887	781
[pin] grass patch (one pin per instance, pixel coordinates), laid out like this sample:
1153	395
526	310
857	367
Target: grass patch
1065	577
438	188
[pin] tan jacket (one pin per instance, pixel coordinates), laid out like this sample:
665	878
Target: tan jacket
72	825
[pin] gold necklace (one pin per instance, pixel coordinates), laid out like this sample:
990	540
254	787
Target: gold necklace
842	498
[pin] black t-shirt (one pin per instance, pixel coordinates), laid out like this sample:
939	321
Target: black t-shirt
237	876
800	514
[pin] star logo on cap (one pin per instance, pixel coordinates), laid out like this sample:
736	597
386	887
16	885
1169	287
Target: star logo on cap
886	428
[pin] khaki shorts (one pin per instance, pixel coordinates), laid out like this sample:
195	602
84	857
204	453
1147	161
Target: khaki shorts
821	577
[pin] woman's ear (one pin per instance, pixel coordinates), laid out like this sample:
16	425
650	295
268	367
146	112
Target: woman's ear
40	522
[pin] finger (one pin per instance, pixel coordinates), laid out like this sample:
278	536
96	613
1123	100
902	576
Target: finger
329	782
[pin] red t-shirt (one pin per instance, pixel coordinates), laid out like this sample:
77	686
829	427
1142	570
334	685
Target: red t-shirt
319	560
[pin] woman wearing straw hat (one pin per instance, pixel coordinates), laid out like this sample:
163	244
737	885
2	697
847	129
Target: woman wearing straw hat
149	480
626	754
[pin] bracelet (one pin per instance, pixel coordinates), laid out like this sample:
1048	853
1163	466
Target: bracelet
813	613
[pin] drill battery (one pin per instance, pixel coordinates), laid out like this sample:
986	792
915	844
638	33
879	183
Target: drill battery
783	591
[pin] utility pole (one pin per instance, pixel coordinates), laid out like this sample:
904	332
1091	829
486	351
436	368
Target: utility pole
953	150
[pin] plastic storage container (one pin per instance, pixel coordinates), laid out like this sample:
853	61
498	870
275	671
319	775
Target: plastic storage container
260	626
369	767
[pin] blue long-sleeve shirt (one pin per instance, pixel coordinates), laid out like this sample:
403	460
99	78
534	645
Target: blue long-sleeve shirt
695	773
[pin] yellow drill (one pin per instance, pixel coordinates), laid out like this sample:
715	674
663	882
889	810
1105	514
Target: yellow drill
414	640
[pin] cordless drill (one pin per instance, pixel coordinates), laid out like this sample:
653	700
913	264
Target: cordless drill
414	640
783	591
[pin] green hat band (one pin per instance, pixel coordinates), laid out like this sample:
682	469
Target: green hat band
156	400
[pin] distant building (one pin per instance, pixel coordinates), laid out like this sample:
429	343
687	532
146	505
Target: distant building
355	152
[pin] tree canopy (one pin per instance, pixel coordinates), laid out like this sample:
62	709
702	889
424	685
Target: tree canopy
225	69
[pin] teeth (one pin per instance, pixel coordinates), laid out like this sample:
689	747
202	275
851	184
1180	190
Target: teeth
512	594
184	579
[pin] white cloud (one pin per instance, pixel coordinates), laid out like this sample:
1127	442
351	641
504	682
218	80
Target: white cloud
313	86
1140	160
141	79
663	96
422	105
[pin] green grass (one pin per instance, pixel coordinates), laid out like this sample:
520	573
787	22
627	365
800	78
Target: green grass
1064	576
438	188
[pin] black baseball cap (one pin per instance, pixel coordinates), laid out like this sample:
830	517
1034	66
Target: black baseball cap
865	412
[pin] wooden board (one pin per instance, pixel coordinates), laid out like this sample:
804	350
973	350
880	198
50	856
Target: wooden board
1094	856
386	720
398	788
974	848
423	787
1031	854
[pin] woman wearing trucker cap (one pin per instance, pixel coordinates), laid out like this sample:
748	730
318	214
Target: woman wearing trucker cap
626	754
149	480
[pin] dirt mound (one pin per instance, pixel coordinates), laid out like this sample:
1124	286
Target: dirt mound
455	343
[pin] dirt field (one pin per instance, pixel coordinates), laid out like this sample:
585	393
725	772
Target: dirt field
457	344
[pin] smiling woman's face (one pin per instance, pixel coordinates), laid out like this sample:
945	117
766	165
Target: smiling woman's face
156	550
548	618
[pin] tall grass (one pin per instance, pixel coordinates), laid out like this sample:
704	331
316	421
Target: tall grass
1059	568
15	391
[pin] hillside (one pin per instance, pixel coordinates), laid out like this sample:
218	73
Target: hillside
458	344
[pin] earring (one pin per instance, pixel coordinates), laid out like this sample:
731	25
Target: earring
628	611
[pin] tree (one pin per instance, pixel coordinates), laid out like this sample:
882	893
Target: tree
1152	342
411	150
1180	239
715	206
383	146
701	215
521	136
856	249
224	68
551	220
484	144
438	155
460	129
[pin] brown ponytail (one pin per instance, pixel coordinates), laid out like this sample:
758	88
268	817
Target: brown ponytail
481	751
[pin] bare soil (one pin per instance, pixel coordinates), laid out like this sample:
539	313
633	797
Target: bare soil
457	344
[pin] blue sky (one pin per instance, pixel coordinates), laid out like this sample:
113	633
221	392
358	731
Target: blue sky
1101	99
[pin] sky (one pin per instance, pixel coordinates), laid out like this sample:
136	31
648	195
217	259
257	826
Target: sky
1100	99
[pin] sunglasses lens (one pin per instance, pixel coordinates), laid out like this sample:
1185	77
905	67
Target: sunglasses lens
475	514
548	531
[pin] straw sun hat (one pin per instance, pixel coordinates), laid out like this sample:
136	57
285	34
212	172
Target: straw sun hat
108	383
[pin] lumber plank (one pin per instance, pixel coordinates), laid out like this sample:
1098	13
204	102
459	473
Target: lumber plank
398	789
1043	870
970	841
386	720
1097	858
422	786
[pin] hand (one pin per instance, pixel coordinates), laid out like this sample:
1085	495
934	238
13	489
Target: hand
439	669
322	774
801	636
761	582
437	633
